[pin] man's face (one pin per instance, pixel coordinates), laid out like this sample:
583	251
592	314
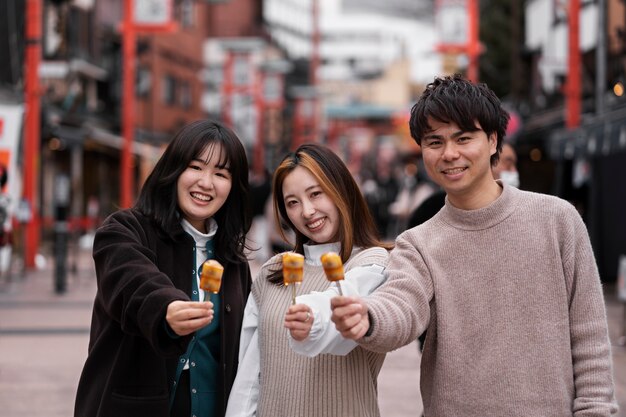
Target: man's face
460	163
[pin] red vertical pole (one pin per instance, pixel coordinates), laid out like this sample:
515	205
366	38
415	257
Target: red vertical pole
128	105
259	151
32	130
227	89
572	117
473	41
297	124
315	63
333	134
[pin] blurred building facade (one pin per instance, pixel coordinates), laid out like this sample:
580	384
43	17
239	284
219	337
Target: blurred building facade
347	78
585	164
369	65
81	91
354	44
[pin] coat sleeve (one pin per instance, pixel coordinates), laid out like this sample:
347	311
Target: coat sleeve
131	288
324	337
591	348
244	395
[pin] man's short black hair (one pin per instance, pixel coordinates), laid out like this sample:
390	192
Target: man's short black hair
455	99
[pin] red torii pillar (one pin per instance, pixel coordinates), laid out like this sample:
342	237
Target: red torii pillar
572	87
32	131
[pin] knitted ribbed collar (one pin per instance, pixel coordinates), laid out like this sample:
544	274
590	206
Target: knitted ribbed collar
486	217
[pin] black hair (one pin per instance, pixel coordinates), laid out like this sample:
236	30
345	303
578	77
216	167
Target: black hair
158	198
456	99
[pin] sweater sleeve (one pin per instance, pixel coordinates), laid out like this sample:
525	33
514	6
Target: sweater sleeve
591	349
399	309
244	395
131	288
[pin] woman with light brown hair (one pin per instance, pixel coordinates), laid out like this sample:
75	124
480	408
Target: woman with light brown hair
317	197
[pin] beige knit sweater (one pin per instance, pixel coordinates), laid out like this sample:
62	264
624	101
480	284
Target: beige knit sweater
293	385
514	308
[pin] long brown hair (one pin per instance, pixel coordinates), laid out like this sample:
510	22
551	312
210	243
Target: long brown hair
337	182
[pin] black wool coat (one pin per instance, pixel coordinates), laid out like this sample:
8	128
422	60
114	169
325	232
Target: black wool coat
131	363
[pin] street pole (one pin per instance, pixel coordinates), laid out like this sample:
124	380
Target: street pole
516	67
227	89
62	190
128	105
259	148
473	46
314	66
153	17
32	129
572	93
601	58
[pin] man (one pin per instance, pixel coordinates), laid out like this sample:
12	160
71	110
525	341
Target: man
506	168
504	280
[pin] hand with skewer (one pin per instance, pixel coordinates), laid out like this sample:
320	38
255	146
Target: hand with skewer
293	269
333	268
299	321
351	324
299	316
185	317
336	320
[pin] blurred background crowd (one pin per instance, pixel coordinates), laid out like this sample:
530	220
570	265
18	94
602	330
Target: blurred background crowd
91	91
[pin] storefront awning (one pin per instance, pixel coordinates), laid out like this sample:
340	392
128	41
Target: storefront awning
603	136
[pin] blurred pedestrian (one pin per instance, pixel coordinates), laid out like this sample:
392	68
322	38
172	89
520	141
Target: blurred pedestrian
506	167
416	188
6	229
280	236
315	194
159	345
504	280
258	236
380	186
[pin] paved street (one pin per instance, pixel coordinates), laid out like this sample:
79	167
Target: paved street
44	336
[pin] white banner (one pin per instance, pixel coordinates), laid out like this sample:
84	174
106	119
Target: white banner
452	22
152	12
11	119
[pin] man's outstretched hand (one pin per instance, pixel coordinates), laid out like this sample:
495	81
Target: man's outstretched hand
350	316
